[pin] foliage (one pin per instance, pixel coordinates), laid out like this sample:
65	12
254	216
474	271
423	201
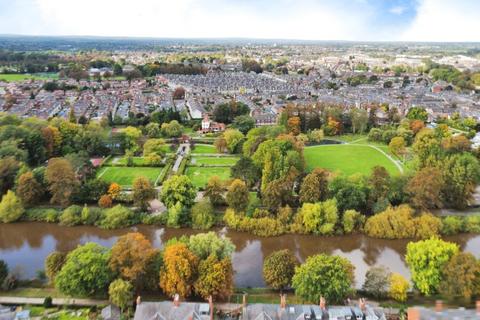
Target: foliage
120	293
143	192
53	264
452	225
28	189
203	245
105	201
352	220
114	190
377	281
117	217
3	271
227	112
325	276
243	123
237	195
399	287
85	272
320	217
232	139
178	188
279	268
214	190
11	208
349	193
62	181
472	223
314	186
178	271
71	216
203	216
461	277
173	129
426	260
215	278
417	113
425	188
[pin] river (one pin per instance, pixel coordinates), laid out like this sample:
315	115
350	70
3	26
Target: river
25	245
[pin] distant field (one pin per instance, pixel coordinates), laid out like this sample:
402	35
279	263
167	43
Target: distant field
21	77
220	161
204	148
124	176
200	175
347	159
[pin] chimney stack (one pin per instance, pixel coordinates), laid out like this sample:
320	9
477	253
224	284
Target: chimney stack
413	314
362	304
139	300
439	306
210	304
244	300
477	305
283	301
176	300
323	303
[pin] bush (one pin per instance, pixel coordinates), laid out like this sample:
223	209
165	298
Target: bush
263	227
105	201
399	287
427	225
3	271
377	280
117	217
452	225
53	263
203	216
42	215
11	208
352	220
47	302
279	268
71	216
90	216
472	224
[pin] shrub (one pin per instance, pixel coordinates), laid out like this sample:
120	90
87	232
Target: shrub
399	287
71	216
285	215
452	225
279	268
472	224
117	217
427	225
203	215
377	280
352	220
320	217
11	208
3	271
91	216
53	264
42	215
105	201
47	302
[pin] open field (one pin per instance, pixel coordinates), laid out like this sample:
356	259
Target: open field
124	176
215	161
204	148
21	77
347	159
200	175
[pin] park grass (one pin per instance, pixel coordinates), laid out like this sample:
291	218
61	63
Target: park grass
347	159
200	175
204	148
220	161
26	76
124	176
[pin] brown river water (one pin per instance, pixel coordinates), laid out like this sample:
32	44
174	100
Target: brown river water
25	245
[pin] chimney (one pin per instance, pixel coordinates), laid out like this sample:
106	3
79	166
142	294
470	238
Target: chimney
210	304
139	300
362	304
438	306
283	301
413	314
244	300
176	300
323	303
477	305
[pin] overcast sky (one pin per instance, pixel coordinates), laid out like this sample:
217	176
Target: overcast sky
397	20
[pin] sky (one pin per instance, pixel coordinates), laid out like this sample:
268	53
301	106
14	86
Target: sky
355	20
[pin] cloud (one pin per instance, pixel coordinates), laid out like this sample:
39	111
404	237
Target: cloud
397	10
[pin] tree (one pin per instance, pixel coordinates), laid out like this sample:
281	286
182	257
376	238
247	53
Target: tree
143	192
232	139
3	271
173	129
279	268
178	271
245	169
238	195
461	277
215	278
352	220
325	276
105	201
416	126
53	264
314	186
320	217
11	208
120	293
349	193
316	135
61	179
359	120
214	190
456	144
117	217
226	112
293	125
28	189
399	287
203	245
178	189
379	183
85	272
8	171
425	188
417	113
427	148
377	281
426	260
178	93
220	144
131	136
154	146
243	123
203	216
131	258
397	146
114	190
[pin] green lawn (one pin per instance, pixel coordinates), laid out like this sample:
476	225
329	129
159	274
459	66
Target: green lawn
204	148
347	159
200	175
124	176
220	161
21	77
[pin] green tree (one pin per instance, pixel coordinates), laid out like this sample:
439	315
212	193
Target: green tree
377	281
314	186
85	272
325	276
320	217
397	146
173	129
117	217
461	277
203	216
426	260
71	216
245	169
214	190
417	113
143	193
53	264
11	208
427	148
8	171
206	244
132	136
154	146
178	189
279	268
120	293
215	278
352	220
243	123
359	120
232	138
238	195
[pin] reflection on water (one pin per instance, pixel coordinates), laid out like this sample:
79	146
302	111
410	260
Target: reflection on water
27	244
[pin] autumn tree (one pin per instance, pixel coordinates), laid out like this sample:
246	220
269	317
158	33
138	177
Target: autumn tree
379	183
114	190
131	257
397	146
143	193
173	129
105	201
11	208
178	93
320	217
398	287
120	293
214	190
232	139
426	260
416	126
179	270
279	268
238	195
425	188
314	186
215	278
293	125
220	144
61	179
53	264
131	138
461	277
28	189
